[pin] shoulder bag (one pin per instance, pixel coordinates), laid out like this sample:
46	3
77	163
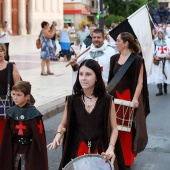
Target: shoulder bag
5	100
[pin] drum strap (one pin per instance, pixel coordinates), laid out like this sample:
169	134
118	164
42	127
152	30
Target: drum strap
9	73
120	73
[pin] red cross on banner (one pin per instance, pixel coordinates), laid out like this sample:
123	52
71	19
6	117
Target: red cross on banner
162	49
20	128
40	127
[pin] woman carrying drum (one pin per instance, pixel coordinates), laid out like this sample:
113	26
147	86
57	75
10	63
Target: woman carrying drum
4	76
89	118
131	87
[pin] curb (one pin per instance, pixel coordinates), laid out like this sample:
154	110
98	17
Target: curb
52	108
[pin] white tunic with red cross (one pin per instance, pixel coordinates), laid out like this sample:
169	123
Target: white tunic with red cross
161	48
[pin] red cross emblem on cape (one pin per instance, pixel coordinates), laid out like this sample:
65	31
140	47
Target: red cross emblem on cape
20	128
162	49
40	127
101	68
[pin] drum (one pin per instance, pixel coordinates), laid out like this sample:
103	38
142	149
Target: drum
4	104
89	162
124	114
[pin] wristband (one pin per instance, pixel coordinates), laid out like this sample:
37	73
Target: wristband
110	144
57	133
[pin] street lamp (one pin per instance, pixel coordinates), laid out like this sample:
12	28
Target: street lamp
101	19
127	4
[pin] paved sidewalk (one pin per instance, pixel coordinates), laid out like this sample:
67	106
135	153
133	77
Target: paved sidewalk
48	91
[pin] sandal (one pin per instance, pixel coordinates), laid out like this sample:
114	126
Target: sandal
44	74
49	73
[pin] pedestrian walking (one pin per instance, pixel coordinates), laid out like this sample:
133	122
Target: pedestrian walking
65	41
53	39
88	41
82	34
5	38
161	63
89	117
47	49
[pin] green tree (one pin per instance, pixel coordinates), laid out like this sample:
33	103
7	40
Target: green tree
154	3
124	7
115	6
112	19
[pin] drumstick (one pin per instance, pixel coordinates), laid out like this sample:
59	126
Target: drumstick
104	154
79	55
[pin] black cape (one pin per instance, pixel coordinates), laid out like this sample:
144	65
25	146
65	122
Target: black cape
68	143
37	153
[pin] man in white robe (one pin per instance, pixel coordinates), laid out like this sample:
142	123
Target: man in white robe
161	67
100	50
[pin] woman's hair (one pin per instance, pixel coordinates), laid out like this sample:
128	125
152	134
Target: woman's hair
44	23
133	43
99	88
65	25
23	86
3	47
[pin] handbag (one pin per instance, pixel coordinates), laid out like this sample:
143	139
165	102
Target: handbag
38	43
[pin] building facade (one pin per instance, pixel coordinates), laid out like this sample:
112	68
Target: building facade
165	3
77	10
25	16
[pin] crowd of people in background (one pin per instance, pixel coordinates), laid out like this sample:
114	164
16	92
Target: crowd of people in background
161	14
93	71
5	34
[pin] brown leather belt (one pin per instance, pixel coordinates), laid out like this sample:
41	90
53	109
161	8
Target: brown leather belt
23	140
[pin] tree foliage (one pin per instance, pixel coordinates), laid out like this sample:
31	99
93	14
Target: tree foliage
121	9
125	7
113	19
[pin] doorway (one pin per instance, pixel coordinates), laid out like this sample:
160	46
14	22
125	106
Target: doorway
15	17
1	13
27	17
